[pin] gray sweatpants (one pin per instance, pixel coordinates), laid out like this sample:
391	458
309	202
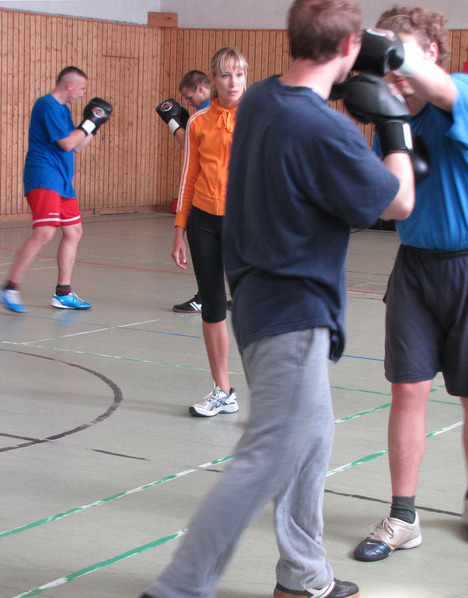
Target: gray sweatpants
282	456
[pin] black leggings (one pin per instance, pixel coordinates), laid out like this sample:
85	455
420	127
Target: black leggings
204	234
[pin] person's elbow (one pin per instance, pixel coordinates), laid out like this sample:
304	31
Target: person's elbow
66	144
402	205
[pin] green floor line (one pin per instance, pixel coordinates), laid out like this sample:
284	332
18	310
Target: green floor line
161	541
70	577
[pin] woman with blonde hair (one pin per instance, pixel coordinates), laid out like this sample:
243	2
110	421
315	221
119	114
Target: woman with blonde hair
200	211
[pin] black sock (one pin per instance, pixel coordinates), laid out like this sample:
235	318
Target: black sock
10	286
403	508
62	289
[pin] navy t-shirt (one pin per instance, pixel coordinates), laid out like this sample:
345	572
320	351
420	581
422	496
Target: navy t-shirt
47	165
300	177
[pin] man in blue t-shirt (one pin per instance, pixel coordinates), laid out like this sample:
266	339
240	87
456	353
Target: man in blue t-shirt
427	295
300	176
48	185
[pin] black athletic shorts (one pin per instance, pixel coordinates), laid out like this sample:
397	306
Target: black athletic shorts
426	322
204	234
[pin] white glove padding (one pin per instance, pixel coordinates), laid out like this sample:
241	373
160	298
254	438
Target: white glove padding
414	59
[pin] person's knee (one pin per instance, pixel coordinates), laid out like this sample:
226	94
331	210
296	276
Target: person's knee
43	234
72	233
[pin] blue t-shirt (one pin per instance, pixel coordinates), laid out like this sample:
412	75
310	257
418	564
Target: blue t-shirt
47	165
205	104
300	176
440	217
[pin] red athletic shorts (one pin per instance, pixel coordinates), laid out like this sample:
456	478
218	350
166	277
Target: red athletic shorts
51	209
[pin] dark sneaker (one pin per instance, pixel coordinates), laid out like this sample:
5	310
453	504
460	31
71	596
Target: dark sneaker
337	589
386	536
465	514
189	307
218	401
229	303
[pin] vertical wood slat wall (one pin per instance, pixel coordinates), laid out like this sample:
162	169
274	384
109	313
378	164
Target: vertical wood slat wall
134	163
118	171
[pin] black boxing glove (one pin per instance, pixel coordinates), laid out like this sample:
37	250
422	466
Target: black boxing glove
338	89
381	51
95	113
173	114
369	100
420	158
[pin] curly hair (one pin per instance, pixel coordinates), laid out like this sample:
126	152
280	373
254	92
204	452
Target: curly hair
426	25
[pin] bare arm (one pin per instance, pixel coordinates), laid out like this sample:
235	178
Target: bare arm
180	137
403	203
77	140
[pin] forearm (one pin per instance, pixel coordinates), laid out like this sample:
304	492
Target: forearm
434	85
76	138
86	141
403	203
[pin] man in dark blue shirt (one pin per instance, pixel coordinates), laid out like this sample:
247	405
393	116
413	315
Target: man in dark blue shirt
300	176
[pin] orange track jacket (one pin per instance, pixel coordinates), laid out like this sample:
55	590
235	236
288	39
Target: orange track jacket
206	160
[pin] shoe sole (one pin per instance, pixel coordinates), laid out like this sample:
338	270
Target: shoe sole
69	307
185	311
193	411
280	594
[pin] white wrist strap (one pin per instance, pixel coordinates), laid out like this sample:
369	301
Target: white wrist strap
412	63
173	126
88	126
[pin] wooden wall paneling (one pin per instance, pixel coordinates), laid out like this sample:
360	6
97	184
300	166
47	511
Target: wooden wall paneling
14	74
134	163
5	195
463	50
145	183
169	150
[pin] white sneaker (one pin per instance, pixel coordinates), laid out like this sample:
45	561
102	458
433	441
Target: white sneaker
218	401
386	536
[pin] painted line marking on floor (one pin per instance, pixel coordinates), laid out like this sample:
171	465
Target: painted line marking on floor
104	501
111	561
125	555
176	476
53	338
368	458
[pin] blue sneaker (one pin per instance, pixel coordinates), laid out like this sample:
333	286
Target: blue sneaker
70	301
12	300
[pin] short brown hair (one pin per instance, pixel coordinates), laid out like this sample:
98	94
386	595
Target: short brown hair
70	70
426	25
317	28
193	79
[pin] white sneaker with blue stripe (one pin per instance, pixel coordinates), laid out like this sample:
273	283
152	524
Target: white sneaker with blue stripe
218	401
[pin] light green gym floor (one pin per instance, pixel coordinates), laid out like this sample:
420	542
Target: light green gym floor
102	467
